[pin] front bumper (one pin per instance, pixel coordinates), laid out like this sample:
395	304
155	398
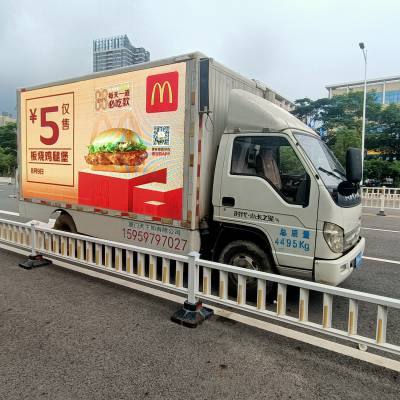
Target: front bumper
333	272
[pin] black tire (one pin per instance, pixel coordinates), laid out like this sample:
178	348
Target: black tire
246	254
65	223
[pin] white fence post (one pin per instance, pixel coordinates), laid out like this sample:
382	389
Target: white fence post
193	313
382	208
35	259
33	239
193	277
381	324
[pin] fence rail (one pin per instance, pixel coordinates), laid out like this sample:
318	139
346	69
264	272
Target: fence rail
381	197
194	278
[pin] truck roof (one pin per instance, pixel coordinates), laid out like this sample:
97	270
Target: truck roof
156	63
249	112
145	65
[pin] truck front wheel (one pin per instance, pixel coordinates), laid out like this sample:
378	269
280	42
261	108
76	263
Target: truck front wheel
246	254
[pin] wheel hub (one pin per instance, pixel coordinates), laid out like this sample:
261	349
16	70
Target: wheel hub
245	261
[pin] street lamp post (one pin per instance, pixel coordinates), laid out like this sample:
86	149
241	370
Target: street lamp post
362	47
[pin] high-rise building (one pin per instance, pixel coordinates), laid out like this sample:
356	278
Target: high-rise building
116	52
386	90
6	118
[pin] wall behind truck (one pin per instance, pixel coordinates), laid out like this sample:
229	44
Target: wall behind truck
221	81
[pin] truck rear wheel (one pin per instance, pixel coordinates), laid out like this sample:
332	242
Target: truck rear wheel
65	223
246	254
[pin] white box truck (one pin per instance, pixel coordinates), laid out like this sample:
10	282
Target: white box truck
184	154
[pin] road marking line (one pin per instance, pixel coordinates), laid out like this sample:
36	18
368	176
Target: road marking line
381	260
383	230
9	213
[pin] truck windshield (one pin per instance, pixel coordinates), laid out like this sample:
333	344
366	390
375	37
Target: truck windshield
329	168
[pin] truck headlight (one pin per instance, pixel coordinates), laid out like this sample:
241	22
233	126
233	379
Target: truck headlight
333	235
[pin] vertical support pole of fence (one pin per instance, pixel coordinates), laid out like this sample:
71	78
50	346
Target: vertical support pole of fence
281	299
193	276
241	289
152	267
353	317
89	251
179	274
46	241
27	236
71	247
382	207
64	249
118	259
381	323
261	293
108	256
140	264
56	244
98	257
39	240
79	250
21	235
129	262
223	285
206	280
327	311
165	270
33	239
303	304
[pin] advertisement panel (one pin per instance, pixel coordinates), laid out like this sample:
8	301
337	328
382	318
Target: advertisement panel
115	142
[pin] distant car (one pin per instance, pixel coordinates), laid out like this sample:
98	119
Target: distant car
372	182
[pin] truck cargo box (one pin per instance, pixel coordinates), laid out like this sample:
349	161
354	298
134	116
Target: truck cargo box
137	142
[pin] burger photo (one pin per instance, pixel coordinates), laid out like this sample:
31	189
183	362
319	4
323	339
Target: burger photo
116	150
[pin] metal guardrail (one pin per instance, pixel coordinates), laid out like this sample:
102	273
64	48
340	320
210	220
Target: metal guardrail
381	197
191	276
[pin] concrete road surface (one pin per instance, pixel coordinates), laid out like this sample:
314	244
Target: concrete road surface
68	336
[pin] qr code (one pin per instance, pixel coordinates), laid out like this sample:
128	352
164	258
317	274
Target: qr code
161	135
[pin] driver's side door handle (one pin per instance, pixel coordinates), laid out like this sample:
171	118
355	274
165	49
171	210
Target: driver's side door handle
228	202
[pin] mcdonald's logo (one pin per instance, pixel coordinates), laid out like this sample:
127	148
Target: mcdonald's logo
162	92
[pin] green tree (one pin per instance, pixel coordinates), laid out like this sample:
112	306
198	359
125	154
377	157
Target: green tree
8	148
339	121
7	162
8	137
343	139
344	111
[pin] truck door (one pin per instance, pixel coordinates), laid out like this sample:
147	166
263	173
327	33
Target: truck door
266	184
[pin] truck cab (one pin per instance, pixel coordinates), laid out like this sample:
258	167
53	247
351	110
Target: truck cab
282	201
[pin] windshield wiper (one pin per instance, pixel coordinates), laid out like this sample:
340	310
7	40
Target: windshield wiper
339	172
328	172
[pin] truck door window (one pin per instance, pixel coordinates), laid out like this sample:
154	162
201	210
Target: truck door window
273	159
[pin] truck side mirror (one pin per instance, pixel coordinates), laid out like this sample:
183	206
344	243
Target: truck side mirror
353	165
